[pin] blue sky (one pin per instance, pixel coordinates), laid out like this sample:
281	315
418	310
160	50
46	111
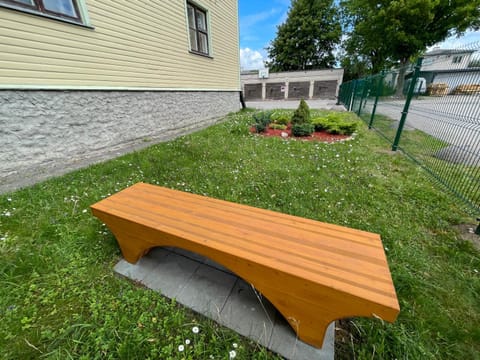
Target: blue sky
258	26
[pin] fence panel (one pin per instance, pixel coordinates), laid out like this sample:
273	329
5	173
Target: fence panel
442	127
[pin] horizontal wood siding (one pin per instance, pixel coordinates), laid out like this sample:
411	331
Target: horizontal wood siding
135	44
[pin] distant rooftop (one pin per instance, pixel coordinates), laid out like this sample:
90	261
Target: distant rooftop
438	51
248	72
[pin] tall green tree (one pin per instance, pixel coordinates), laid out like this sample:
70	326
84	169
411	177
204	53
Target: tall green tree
307	39
394	31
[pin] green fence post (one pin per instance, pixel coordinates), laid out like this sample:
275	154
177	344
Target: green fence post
378	90
364	95
411	88
352	98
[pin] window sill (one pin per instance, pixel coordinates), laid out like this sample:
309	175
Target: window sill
200	54
43	15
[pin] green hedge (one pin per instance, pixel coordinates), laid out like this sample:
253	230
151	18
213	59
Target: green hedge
305	129
335	123
277	126
280	118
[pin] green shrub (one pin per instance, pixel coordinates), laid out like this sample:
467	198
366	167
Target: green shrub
262	120
259	127
277	126
320	123
336	123
304	129
343	128
280	118
301	114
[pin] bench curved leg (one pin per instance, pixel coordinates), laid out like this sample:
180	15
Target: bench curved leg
132	248
311	308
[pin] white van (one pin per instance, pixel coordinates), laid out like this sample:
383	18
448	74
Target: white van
420	86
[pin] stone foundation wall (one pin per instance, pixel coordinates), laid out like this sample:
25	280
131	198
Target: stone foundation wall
52	132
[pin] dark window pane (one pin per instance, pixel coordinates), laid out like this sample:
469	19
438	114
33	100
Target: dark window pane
201	21
203	43
193	40
191	16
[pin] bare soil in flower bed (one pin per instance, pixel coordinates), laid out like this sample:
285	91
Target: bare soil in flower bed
316	136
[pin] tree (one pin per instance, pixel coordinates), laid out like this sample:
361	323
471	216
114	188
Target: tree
389	32
354	66
307	38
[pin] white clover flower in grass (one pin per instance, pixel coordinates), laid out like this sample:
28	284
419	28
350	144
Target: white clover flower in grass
181	348
187	342
195	330
232	354
235	345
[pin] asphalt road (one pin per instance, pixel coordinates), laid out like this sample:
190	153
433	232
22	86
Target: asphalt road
293	104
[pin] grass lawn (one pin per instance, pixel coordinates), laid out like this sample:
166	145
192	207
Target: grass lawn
60	299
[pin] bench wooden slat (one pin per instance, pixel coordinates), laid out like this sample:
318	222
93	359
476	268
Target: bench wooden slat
301	236
311	271
267	215
262	232
300	257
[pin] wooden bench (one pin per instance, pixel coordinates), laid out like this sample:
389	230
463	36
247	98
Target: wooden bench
312	272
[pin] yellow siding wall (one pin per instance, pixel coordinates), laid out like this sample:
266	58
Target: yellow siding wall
135	44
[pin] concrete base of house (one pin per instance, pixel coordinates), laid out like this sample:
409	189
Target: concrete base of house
49	133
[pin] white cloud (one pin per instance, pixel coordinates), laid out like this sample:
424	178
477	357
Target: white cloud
252	59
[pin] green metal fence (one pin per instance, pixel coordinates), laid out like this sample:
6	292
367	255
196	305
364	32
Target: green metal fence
434	118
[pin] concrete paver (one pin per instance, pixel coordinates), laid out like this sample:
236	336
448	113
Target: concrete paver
202	285
145	266
171	275
249	314
207	291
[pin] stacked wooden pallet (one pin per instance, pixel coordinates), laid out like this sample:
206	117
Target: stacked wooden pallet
437	89
467	89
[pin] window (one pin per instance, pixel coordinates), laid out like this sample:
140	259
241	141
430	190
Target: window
70	10
457	59
198	31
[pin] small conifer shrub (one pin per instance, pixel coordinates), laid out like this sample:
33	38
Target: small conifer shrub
301	114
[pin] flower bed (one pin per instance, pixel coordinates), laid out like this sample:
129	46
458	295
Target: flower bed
316	136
